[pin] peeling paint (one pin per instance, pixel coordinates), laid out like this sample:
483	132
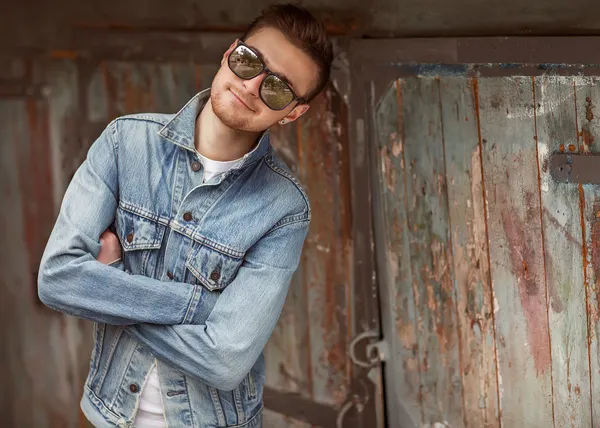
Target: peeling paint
526	267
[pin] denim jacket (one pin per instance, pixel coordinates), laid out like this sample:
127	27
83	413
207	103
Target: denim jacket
205	271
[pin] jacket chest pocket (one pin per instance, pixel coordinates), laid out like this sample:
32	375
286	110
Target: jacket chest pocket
141	239
211	268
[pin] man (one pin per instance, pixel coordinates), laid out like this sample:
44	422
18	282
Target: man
212	224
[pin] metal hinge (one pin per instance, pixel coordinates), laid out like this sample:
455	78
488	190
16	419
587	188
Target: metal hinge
572	168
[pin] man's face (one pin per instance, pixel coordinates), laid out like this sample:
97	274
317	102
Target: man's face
237	102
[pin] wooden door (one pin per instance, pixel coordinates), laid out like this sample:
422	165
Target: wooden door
487	265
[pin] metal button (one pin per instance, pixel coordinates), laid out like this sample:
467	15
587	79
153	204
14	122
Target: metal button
170	275
130	237
134	388
215	275
195	166
187	216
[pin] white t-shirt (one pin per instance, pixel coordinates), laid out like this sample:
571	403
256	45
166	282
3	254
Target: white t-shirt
151	412
212	168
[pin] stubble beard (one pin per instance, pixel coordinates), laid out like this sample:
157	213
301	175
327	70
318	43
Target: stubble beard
228	116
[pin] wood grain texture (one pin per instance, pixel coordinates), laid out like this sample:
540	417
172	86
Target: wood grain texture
556	125
287	352
506	112
323	169
470	252
431	259
53	382
397	296
588	120
528	318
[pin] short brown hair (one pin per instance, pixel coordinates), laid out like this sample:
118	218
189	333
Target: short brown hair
303	30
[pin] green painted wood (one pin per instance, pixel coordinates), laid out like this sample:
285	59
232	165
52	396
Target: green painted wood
431	261
588	119
516	254
394	266
470	252
556	125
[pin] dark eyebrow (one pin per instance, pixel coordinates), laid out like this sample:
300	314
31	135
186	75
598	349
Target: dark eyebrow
281	75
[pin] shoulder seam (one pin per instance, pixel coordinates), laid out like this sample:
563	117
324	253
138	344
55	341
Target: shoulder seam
289	220
277	170
112	127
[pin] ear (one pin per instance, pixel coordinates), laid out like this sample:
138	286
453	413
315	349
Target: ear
228	51
295	114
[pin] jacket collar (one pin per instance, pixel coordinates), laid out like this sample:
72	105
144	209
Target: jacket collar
181	128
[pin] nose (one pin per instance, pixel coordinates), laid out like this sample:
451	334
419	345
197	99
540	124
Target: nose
253	85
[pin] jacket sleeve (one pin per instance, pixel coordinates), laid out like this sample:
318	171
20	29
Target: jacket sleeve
222	351
70	278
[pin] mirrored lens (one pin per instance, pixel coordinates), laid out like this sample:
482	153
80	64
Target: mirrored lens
276	93
244	63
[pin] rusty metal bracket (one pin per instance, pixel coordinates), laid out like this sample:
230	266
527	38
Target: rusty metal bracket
373	360
575	168
379	351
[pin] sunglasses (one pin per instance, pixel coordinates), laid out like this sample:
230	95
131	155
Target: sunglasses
274	91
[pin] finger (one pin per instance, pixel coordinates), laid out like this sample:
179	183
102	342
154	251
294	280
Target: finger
107	234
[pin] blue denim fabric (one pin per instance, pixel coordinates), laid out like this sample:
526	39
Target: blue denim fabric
205	272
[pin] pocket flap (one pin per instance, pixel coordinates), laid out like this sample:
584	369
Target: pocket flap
138	233
213	269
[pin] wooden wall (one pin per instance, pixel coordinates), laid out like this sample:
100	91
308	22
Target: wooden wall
493	267
45	132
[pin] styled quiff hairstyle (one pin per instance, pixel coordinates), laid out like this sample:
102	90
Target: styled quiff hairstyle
305	32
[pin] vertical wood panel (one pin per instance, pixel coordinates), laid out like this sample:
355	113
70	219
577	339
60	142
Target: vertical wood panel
470	252
286	353
146	87
323	169
515	243
431	253
588	119
397	297
556	125
53	382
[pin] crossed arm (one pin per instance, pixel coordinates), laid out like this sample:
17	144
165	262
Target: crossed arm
222	350
219	349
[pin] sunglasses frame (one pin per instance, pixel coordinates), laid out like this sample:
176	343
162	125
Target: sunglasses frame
264	69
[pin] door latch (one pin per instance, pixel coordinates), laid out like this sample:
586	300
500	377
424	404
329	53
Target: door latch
575	168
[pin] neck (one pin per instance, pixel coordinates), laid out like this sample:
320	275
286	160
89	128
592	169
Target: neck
215	140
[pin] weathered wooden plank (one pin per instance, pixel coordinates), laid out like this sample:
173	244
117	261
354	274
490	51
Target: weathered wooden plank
286	353
556	126
14	265
470	252
323	169
588	119
515	243
66	153
126	88
35	330
74	336
431	257
394	267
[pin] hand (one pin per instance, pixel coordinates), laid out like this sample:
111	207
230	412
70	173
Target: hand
110	248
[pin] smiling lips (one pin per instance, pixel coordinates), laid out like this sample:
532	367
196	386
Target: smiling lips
241	100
